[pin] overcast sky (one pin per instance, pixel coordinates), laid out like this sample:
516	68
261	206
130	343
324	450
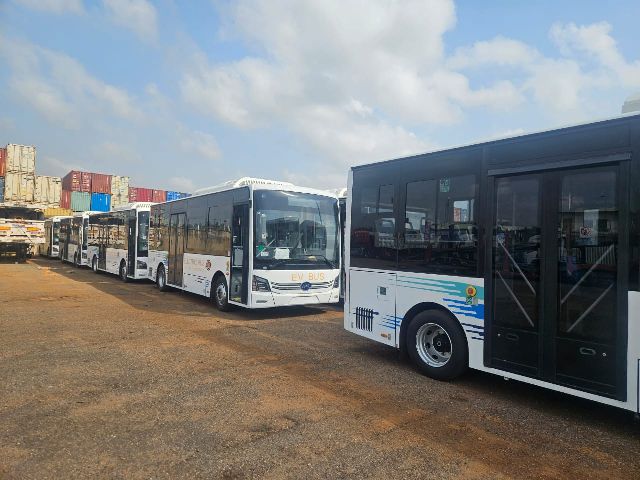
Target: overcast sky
186	94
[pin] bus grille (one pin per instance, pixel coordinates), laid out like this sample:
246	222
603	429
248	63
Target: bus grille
295	287
364	318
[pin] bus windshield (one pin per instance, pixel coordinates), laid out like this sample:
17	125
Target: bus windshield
55	227
295	231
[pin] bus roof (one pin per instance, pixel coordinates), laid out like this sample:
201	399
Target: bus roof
258	184
508	138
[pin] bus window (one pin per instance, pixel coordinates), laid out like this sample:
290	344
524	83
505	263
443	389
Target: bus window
373	237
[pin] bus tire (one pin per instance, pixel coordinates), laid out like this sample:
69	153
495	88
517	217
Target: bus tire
437	345
161	279
220	294
94	264
123	272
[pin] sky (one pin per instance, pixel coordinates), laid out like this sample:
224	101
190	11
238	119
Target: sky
182	95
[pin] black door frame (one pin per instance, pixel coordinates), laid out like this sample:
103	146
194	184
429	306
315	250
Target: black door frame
244	209
173	248
549	280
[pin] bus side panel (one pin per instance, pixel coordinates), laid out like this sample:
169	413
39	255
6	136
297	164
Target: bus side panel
71	252
372	305
157	258
198	272
462	296
114	257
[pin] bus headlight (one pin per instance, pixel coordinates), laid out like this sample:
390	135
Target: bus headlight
140	265
336	282
260	284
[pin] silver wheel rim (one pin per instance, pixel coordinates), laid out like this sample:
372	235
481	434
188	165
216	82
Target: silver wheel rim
95	265
123	271
434	345
221	293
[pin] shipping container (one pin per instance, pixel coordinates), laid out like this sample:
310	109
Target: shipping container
21	159
159	196
57	212
65	199
80	201
19	187
77	181
119	191
101	202
47	190
1	189
139	194
3	161
176	195
100	183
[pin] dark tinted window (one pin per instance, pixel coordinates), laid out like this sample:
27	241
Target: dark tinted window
440	231
197	216
143	234
373	229
219	237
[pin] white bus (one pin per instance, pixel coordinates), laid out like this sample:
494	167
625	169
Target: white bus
73	239
253	243
52	236
518	257
118	241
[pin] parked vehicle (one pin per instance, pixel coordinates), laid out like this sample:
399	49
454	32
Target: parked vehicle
52	236
21	231
518	257
118	241
73	239
253	243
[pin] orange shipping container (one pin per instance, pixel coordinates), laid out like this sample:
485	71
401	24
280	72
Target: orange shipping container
159	196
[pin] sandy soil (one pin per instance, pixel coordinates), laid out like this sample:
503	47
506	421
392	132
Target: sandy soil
104	379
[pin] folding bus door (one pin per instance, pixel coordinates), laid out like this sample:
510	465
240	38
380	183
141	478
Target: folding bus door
177	227
238	287
558	277
132	236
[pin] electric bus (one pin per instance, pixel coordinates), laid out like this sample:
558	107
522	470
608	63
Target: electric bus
52	236
519	257
73	239
118	241
252	243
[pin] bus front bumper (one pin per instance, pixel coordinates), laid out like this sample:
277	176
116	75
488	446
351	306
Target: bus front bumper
271	299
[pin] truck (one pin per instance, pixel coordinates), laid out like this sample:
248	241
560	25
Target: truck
21	231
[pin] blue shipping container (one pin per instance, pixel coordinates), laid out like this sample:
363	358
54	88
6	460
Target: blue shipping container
100	202
80	201
176	195
1	189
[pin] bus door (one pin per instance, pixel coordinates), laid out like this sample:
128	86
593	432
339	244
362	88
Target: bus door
238	286
177	226
131	243
103	241
558	277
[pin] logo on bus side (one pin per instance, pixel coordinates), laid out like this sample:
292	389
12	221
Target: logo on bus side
208	265
471	292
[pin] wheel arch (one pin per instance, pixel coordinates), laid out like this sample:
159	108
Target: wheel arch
215	277
419	308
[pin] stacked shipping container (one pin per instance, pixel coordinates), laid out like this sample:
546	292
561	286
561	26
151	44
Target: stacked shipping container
119	191
19	173
139	194
3	166
47	191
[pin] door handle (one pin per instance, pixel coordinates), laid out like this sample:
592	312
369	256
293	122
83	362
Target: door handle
587	351
512	336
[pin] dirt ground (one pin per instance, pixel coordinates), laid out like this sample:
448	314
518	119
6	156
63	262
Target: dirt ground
110	380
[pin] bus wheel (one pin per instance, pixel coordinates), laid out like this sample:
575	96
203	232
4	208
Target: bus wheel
436	343
161	279
94	265
123	272
220	294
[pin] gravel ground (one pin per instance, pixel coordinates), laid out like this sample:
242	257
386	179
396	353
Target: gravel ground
104	379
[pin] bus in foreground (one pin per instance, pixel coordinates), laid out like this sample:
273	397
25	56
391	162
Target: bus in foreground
518	257
52	236
253	243
118	241
73	239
